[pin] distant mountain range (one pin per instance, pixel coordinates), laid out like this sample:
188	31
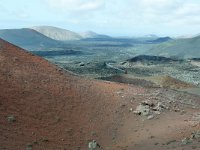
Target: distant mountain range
160	40
61	35
66	35
91	34
181	48
46	37
27	38
57	33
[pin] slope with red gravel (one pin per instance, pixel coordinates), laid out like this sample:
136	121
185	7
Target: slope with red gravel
58	110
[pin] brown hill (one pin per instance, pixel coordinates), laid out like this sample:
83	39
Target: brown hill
169	82
49	103
150	82
43	107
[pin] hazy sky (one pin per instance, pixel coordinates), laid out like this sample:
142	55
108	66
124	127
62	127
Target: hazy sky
113	17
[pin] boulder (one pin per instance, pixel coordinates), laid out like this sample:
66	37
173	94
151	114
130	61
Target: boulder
143	110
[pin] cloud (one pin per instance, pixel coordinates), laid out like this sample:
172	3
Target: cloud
76	5
127	12
13	13
189	9
107	15
173	12
21	14
159	4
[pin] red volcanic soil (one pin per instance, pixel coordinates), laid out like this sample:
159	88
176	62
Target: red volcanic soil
57	110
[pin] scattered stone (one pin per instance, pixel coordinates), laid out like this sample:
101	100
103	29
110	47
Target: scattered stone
78	148
143	110
159	107
93	133
195	135
149	103
108	148
35	142
156	143
186	141
44	139
11	118
196	117
148	108
177	110
93	145
157	112
150	117
194	147
152	137
69	130
131	109
194	107
82	64
29	146
15	59
122	105
170	142
183	112
113	138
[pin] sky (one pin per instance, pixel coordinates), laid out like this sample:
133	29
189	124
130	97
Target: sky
112	17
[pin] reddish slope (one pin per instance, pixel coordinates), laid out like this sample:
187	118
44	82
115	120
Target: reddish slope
48	102
57	110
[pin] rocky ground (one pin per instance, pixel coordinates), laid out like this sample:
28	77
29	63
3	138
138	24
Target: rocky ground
97	67
44	107
184	70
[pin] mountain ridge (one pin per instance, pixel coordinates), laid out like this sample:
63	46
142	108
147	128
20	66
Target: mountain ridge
27	38
181	48
57	33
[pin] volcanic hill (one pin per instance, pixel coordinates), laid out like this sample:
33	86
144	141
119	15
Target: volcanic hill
44	107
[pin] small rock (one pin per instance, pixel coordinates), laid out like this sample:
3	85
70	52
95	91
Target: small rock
195	135
182	112
150	117
81	64
157	112
93	133
152	137
149	103
11	118
196	117
35	142
29	146
186	141
170	142
93	145
159	107
131	109
156	143
143	110
177	110
44	139
122	105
